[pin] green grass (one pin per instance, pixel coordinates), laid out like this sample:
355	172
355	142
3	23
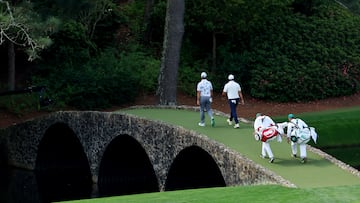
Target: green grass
253	194
317	181
338	130
334	124
242	140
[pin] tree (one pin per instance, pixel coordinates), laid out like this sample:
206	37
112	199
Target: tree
21	26
173	33
147	20
96	12
214	19
352	5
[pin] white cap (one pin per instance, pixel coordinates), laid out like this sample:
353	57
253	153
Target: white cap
203	75
231	77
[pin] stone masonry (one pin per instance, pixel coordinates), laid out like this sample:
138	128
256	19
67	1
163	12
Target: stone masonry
162	143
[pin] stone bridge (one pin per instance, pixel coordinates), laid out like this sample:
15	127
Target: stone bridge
141	154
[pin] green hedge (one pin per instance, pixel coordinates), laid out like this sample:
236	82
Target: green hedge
280	50
111	79
21	103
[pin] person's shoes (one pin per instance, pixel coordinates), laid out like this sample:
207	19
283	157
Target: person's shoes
262	156
229	121
293	155
303	160
212	122
202	124
271	160
237	126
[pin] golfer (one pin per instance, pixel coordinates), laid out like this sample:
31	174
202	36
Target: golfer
233	91
204	99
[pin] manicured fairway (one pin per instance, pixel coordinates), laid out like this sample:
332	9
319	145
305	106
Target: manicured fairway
251	194
318	172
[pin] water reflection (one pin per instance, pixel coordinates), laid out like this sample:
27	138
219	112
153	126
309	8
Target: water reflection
17	185
347	154
63	185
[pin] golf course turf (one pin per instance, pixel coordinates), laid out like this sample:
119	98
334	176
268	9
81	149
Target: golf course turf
318	180
317	172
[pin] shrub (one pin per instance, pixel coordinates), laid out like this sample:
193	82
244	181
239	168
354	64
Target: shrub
110	79
71	47
302	58
189	76
20	103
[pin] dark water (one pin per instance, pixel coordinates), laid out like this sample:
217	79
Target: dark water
17	185
347	154
23	186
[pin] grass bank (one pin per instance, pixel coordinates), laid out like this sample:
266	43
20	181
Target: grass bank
254	194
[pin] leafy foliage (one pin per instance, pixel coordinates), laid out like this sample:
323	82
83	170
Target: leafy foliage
282	50
304	57
109	79
71	47
20	104
352	5
293	50
22	26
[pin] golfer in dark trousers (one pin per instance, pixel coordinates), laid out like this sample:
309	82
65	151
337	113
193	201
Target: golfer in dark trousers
233	91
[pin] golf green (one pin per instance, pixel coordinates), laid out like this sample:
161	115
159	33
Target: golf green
317	172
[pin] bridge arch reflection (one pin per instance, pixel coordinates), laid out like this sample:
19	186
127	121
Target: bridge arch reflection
194	168
62	165
126	169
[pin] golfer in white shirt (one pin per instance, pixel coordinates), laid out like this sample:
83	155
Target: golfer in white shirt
233	91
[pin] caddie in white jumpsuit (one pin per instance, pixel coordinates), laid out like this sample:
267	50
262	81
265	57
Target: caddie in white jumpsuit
262	122
294	124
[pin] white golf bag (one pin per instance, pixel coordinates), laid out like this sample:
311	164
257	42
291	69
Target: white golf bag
303	136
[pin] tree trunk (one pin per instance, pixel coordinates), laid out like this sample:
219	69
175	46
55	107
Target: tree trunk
214	52
173	33
11	66
147	21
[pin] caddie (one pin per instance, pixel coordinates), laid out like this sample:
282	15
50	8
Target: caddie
298	133
265	130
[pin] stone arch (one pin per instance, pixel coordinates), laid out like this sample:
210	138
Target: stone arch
125	168
61	159
194	168
4	173
3	155
161	142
